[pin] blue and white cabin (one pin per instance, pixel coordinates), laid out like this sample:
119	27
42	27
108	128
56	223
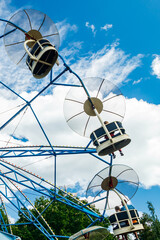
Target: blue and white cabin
41	57
104	145
121	224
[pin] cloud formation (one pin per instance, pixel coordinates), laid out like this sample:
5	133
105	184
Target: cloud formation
156	66
106	27
64	28
92	27
110	62
142	124
137	81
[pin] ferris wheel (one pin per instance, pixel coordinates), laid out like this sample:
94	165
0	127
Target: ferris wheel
94	108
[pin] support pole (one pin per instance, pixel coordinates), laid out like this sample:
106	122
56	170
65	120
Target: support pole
89	98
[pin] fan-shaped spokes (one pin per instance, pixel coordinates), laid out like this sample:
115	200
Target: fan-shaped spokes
106	98
120	177
31	24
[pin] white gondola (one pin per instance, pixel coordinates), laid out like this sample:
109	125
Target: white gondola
7	236
41	57
123	225
117	138
94	232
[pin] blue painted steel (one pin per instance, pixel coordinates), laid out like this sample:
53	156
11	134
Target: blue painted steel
98	200
59	236
7	33
6	123
51	82
100	158
67	85
42	130
70	70
35	151
88	144
29	102
93	223
2	223
13	24
28	216
55	174
13	91
13	175
39	188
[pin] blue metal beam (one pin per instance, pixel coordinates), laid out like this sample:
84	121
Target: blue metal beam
36	184
14	25
41	188
26	213
10	177
28	103
2	223
37	151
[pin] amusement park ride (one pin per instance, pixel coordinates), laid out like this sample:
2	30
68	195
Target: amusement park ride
31	39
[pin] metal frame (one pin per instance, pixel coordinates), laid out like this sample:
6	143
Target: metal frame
39	185
37	151
13	176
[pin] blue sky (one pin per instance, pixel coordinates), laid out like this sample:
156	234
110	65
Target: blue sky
134	24
127	33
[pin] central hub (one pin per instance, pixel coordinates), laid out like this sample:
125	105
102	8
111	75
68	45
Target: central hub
109	183
33	34
88	106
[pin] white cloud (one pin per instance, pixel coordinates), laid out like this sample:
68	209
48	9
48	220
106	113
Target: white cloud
156	66
12	220
107	27
92	27
137	81
5	8
142	124
64	28
110	63
71	51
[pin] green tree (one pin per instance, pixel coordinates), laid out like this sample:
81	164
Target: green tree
151	225
63	219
